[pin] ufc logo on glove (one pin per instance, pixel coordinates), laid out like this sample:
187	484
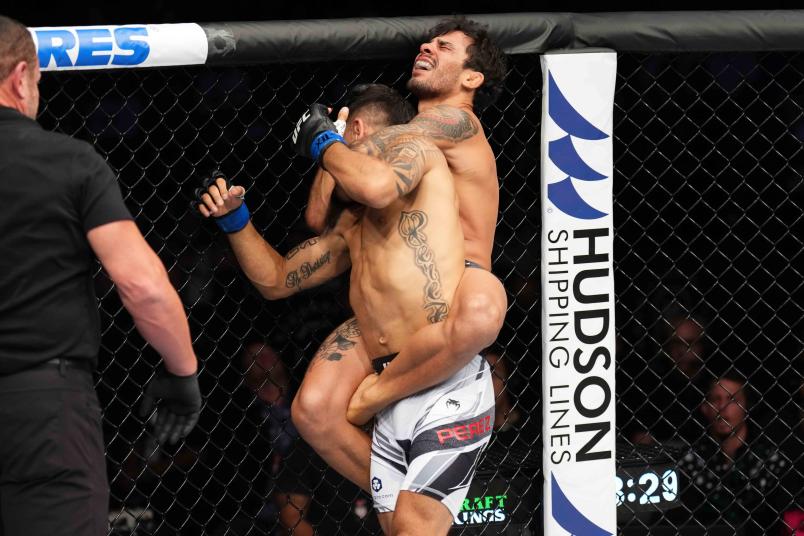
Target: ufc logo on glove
301	120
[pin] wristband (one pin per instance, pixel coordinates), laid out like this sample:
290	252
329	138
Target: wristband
235	220
322	141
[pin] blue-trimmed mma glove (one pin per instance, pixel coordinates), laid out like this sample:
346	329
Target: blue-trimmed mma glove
314	132
179	408
233	214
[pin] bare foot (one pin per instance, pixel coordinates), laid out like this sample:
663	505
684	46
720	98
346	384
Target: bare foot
362	407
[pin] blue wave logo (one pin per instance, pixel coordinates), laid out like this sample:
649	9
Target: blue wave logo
566	158
570	518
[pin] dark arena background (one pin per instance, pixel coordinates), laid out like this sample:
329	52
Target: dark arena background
708	159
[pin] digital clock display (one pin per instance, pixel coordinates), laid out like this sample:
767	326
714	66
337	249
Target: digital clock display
647	488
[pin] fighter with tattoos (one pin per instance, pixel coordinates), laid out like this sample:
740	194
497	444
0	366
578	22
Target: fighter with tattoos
457	70
405	247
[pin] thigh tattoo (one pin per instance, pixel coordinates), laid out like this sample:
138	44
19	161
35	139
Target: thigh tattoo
344	338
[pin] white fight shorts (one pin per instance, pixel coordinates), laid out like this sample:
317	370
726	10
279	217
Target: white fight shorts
431	442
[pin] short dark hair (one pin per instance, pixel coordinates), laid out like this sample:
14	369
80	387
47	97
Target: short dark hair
16	45
483	56
735	376
384	103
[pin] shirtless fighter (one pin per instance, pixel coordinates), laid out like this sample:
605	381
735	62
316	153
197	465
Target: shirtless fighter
406	251
457	69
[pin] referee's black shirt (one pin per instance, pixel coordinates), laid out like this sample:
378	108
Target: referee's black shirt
53	189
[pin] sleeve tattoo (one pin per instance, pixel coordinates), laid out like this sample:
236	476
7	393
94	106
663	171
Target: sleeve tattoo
406	153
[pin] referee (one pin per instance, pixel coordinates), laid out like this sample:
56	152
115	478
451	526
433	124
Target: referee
61	207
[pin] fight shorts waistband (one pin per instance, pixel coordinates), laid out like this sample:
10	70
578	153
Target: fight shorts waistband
380	363
471	264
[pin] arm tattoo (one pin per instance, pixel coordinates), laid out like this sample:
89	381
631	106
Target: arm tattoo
344	338
300	247
407	158
306	270
377	143
411	225
446	123
406	153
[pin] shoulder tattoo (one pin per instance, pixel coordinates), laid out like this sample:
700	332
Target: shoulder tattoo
446	123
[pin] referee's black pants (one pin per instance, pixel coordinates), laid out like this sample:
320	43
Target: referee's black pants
52	465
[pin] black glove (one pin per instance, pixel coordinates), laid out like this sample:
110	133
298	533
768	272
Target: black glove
314	132
180	407
204	188
237	216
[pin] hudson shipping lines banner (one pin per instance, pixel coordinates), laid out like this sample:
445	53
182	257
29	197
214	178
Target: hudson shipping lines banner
578	337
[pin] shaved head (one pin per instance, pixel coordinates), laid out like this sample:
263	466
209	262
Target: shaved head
16	45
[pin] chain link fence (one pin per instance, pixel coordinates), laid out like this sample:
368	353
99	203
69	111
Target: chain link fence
707	252
708	197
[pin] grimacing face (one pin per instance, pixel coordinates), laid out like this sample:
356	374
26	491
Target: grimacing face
439	65
725	407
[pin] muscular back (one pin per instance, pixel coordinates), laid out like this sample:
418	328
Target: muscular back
459	135
407	257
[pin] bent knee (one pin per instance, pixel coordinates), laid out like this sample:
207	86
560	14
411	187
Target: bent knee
484	308
479	318
482	296
314	414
